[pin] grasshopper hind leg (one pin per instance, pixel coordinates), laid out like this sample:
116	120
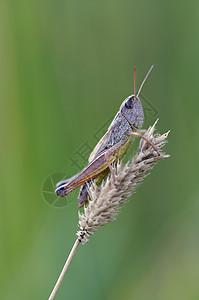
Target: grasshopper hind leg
83	196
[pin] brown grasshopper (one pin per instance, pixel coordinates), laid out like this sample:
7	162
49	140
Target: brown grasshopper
112	146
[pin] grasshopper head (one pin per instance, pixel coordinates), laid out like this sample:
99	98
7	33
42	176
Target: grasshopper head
132	110
131	107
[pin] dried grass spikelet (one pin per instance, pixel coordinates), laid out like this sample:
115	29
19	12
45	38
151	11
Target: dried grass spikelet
108	199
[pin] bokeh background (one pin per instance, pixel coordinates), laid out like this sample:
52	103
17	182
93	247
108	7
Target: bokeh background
65	67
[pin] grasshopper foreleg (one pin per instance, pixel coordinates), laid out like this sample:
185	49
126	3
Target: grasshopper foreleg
140	134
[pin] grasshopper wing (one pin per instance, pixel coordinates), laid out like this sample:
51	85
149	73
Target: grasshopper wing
65	181
101	146
92	170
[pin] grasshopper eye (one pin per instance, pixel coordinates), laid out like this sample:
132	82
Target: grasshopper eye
129	103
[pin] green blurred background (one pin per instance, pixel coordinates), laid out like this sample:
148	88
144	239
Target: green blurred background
65	68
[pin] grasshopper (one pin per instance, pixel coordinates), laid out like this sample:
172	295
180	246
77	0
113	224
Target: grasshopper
113	145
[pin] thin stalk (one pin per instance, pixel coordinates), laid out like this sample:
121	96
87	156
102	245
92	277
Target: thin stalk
61	276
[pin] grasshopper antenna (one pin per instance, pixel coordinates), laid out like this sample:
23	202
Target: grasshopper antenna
134	80
143	82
